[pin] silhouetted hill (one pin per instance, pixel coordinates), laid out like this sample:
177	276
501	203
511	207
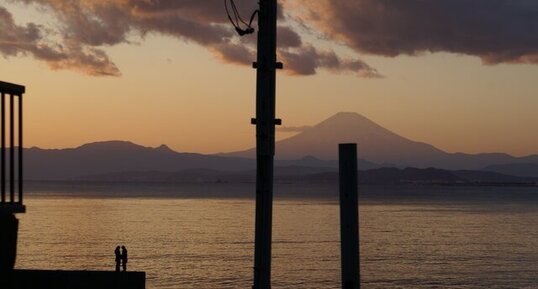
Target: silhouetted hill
386	176
491	177
408	175
296	174
203	175
378	145
183	176
102	158
429	176
523	169
117	156
310	161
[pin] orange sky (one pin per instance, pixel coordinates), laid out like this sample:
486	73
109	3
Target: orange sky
177	93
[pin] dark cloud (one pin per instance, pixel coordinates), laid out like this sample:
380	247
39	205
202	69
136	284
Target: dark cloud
306	60
185	28
16	39
235	53
497	31
85	27
29	40
288	38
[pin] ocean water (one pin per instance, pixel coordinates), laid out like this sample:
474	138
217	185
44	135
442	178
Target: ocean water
201	235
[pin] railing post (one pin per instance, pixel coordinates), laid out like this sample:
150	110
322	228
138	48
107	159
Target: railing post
20	151
349	216
3	149
11	149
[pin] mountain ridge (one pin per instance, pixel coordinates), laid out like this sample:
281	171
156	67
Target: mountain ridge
120	156
378	145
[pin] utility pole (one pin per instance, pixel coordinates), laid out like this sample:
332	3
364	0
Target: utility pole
265	121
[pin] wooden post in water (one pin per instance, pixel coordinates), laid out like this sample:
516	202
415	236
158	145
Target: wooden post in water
349	216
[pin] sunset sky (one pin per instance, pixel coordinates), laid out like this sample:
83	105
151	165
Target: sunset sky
461	75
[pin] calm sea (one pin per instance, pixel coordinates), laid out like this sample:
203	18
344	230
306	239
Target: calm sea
201	235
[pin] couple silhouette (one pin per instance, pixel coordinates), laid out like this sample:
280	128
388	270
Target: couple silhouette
121	258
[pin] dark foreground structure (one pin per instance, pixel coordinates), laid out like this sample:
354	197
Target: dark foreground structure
11	203
10	172
45	279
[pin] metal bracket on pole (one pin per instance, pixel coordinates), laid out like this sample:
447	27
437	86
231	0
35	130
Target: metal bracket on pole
278	121
278	65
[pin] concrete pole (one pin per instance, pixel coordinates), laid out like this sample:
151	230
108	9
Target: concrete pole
349	216
265	141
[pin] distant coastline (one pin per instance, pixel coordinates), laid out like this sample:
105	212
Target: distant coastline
404	193
305	175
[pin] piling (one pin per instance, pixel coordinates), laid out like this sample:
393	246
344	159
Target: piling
349	216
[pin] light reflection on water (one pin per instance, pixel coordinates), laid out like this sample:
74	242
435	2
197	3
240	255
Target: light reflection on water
207	243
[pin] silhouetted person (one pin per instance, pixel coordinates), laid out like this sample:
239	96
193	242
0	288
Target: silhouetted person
118	258
124	258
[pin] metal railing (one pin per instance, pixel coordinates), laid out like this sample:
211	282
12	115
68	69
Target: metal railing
11	173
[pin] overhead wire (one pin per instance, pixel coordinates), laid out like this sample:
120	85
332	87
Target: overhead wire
228	13
252	18
234	7
237	20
